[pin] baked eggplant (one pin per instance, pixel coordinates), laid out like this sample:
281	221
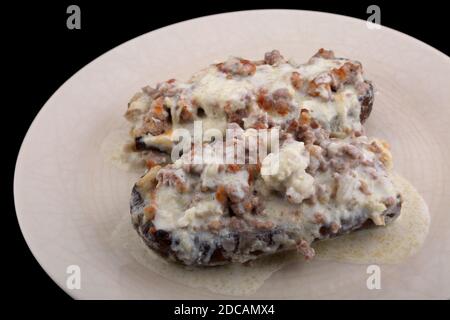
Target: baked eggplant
254	94
212	213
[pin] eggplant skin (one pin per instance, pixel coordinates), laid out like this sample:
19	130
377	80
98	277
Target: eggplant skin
366	100
237	244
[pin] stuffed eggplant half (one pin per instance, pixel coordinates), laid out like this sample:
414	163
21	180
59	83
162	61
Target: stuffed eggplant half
212	213
268	93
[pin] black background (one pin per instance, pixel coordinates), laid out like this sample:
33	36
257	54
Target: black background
41	54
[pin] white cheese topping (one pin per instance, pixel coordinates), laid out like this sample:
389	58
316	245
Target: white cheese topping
213	90
200	214
171	206
285	172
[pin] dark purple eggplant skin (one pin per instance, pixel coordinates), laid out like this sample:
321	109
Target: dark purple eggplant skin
366	100
160	240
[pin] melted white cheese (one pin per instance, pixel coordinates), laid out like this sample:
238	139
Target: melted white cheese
285	171
200	214
213	90
171	207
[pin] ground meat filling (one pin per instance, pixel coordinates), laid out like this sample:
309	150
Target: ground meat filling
278	101
273	57
237	66
325	54
156	121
